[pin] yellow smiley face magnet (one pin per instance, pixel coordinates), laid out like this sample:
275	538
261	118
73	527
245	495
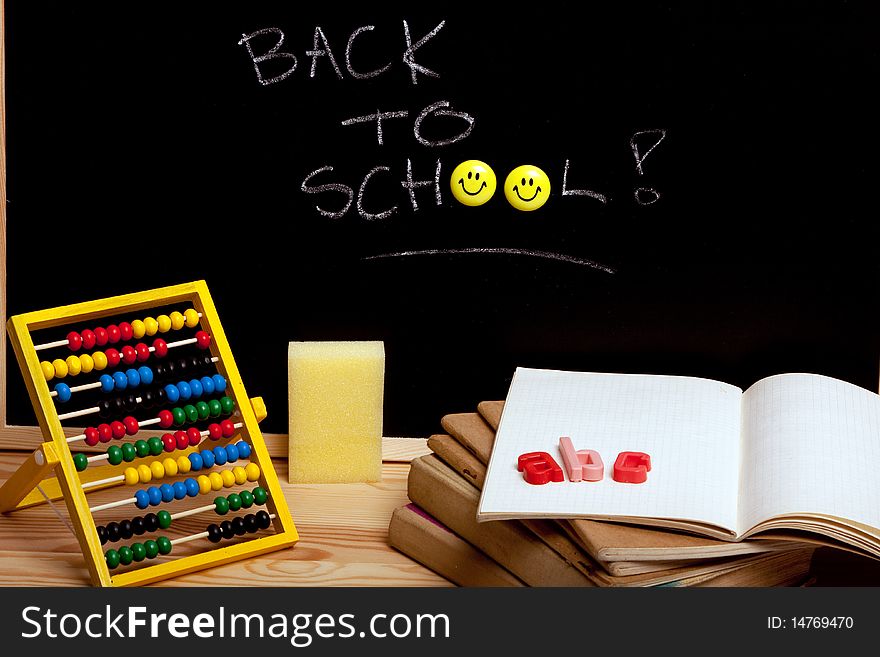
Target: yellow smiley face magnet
527	187
473	182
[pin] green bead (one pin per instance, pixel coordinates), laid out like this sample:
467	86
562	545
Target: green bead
156	445
247	499
138	551
141	448
164	519
227	405
221	505
234	502
151	548
191	413
125	555
203	409
164	545
129	453
112	558
81	461
178	415
215	408
114	455
260	495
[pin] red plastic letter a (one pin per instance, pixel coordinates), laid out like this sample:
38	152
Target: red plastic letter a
539	468
632	467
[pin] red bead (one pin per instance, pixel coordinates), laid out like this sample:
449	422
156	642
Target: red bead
113	334
105	433
129	355
131	425
161	347
92	436
182	439
169	442
112	357
165	418
118	429
100	336
125	331
74	341
203	340
227	427
194	435
89	339
214	431
143	352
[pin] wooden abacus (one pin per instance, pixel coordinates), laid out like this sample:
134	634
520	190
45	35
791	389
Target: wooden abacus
204	374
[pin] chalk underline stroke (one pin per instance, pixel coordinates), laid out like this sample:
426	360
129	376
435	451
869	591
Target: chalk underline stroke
545	255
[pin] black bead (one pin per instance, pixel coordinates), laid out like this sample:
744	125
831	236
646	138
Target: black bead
263	520
105	407
250	523
238	526
113	532
182	366
129	401
195	363
102	534
125	531
147	399
151	522
138	526
170	370
160	372
118	405
207	363
214	533
226	528
160	395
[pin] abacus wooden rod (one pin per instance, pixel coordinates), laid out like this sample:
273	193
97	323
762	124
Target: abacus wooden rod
195	537
63	343
97	384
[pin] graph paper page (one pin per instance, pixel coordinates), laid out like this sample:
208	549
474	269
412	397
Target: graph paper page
690	428
811	444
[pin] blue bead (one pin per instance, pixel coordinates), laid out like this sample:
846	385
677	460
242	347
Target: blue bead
172	393
146	375
207	458
63	392
106	383
179	490
244	450
207	385
220	456
184	390
192	487
219	383
141	499
120	380
231	453
167	491
196	386
155	495
196	461
134	379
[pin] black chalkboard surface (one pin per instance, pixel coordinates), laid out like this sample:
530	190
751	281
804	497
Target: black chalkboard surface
711	213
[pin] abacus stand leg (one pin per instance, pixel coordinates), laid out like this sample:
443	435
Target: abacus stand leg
39	465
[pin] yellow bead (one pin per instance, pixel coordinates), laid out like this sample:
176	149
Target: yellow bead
177	320
144	473
157	469
164	323
216	480
100	360
183	464
204	484
228	478
131	476
239	474
170	466
60	368
192	317
252	470
86	363
74	367
138	330
48	370
151	325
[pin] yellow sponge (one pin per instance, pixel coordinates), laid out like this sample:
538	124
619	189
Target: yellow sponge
335	394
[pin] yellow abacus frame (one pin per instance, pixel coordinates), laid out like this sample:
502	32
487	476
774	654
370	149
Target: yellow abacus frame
54	456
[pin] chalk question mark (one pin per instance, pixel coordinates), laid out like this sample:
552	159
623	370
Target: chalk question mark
645	195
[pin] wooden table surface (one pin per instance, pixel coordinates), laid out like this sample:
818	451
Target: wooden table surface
343	532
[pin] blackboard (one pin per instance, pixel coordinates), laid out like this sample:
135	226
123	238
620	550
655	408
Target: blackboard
727	155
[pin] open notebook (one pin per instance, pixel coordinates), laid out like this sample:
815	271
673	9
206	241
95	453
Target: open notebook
793	452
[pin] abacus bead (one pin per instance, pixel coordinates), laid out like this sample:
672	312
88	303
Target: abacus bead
214	408
141	448
146	375
88	339
204	484
239	474
104	408
219	383
228	428
60	368
118	429
179	416
206	361
86	363
167	491
151	522
155	495
100	360
81	462
252	470
131	476
164	323
137	525
74	341
214	431
194	435
125	531
112	559
166	418
195	460
74	367
203	340
247	499
145	473
62	391
160	348
184	390
191	317
234	500
192	487
181	439
107	383
113	334
157	470
226	528
164	518
203	410
227	405
125	403
263	519
141	499
114	455
172	393
231	453
220	456
151	326
138	329
228	478
161	371
134	379
183	464
148	399
182	366
221	505
102	534
48	370
131	425
216	480
129	453
125	331
191	413
250	523
260	495
113	357
129	355
100	336
105	432
177	320
179	490
142	352
152	549
238	526
138	551
120	381
244	450
170	466
156	446
207	385
214	533
207	458
126	556
113	531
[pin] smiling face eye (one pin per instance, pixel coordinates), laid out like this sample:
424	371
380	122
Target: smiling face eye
469	175
477	177
523	182
531	182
